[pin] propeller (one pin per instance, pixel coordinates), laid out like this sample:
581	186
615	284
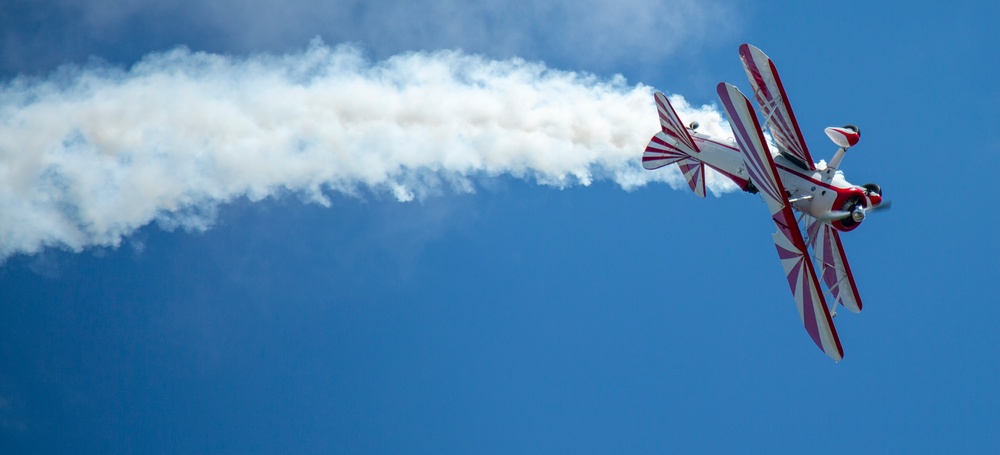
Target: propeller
858	213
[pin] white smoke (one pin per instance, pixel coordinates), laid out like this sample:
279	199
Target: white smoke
89	155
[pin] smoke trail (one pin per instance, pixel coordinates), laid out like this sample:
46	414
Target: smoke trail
89	155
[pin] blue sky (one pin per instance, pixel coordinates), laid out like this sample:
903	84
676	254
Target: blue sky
521	317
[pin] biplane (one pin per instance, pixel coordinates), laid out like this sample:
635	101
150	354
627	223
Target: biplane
810	203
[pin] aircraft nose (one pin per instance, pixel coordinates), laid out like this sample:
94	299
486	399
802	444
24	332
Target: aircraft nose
858	214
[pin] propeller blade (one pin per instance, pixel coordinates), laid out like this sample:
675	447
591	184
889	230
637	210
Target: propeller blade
834	215
885	205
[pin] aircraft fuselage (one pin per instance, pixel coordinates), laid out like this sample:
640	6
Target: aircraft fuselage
815	192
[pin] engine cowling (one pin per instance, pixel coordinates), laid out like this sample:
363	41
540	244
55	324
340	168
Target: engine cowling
852	201
857	201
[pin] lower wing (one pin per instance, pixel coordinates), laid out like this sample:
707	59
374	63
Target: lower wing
829	254
792	249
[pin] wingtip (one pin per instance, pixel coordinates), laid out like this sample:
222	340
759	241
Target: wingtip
723	88
659	97
747	47
749	53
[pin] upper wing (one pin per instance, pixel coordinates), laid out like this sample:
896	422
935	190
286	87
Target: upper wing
774	104
833	266
788	240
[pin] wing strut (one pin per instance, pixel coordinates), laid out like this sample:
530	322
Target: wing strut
828	251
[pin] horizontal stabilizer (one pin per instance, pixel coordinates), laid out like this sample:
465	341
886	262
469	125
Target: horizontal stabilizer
694	173
672	143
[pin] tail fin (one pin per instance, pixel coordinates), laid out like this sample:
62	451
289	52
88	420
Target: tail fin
674	145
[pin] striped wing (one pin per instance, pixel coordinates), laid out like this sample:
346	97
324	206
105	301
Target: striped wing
774	105
832	261
788	240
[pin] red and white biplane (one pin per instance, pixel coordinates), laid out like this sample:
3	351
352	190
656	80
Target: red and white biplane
789	181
